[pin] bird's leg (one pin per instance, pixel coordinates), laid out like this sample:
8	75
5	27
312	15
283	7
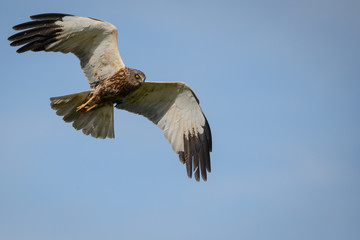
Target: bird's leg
89	108
84	107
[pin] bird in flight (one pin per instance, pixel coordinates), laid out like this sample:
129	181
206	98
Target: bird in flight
172	106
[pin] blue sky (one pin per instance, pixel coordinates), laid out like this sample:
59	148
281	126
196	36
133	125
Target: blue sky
278	82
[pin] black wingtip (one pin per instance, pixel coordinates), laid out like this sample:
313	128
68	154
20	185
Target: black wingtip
37	34
22	26
22	50
49	16
208	133
197	175
196	153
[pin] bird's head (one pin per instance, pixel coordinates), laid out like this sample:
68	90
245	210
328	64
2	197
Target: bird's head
136	77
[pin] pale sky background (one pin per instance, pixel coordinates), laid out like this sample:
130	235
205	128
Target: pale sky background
279	82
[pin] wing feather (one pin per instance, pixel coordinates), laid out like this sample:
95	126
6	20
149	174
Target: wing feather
93	41
174	108
188	158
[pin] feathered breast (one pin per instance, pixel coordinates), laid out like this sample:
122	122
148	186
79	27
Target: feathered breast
117	86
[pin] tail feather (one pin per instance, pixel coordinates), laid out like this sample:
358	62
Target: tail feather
98	122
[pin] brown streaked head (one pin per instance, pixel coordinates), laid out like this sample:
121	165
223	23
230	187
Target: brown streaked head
136	76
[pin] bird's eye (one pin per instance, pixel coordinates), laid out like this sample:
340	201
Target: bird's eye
137	76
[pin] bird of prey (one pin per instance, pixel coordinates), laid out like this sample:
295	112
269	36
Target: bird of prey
172	106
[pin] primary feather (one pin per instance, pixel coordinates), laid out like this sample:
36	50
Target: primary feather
93	41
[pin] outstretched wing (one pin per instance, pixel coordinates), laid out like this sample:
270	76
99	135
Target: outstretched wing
93	41
174	108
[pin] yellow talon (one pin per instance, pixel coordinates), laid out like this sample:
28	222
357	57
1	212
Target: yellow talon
80	108
89	108
83	108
